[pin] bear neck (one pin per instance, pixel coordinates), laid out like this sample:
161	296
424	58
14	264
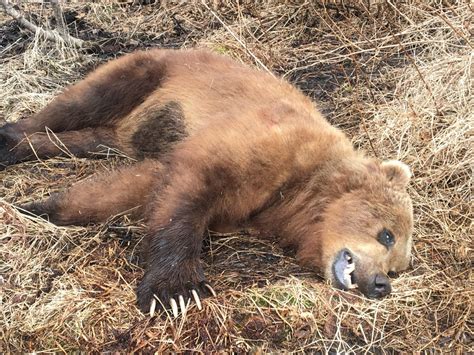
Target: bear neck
296	218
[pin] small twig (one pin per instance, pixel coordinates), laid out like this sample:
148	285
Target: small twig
49	35
358	101
58	15
259	62
421	76
460	34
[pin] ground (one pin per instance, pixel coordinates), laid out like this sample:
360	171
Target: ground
396	78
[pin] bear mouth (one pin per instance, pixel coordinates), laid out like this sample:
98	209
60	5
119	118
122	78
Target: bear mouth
343	269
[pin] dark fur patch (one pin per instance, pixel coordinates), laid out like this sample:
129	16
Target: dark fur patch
157	135
102	99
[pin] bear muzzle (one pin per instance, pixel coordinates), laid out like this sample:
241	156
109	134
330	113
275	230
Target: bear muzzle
374	285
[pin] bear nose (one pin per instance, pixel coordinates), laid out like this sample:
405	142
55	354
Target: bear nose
381	286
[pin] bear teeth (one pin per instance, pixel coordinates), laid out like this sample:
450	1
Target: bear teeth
348	276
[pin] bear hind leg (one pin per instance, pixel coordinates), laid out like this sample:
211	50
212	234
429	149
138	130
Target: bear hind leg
102	196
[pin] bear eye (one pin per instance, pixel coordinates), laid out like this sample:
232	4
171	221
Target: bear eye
386	238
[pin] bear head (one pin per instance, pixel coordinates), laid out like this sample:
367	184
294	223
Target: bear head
365	231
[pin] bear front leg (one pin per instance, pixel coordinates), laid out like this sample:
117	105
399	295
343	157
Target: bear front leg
206	183
174	274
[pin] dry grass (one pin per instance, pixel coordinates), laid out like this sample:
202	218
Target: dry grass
396	78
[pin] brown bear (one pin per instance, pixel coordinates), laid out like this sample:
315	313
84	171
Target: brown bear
219	145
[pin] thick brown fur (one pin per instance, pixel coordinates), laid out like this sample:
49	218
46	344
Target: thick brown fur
226	146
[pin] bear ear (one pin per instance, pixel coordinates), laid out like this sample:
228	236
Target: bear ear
397	172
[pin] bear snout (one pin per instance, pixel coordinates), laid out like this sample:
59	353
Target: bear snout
348	273
379	286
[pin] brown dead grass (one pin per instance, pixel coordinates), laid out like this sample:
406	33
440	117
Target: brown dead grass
396	78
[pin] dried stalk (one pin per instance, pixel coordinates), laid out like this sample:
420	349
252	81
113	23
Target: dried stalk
49	35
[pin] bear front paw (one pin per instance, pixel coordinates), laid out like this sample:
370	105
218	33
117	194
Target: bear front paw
166	289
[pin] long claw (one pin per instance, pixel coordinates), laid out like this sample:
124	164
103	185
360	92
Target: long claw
174	307
182	305
196	299
152	306
211	290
